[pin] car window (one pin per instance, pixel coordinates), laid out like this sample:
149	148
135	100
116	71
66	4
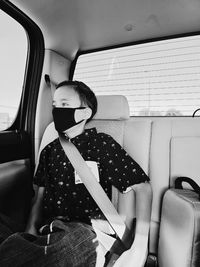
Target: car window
161	78
13	53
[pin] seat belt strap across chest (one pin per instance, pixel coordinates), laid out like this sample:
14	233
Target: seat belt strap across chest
94	188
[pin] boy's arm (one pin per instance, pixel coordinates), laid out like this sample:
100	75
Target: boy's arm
35	212
143	194
137	254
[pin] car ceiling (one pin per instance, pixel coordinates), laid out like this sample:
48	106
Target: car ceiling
69	26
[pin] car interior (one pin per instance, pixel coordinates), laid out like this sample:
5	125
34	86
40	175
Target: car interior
166	147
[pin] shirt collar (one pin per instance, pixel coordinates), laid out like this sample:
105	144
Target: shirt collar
87	135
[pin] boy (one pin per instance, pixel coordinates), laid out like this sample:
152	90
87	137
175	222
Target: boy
60	193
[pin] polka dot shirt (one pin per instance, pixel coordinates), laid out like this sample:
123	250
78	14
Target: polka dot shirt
63	196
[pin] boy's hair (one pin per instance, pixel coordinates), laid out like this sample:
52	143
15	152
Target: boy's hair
86	95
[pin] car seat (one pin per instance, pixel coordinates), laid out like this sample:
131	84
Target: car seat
179	242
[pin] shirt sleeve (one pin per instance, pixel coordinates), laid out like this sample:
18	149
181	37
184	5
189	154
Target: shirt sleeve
40	175
123	171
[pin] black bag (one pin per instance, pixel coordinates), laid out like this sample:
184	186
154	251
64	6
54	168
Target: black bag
52	248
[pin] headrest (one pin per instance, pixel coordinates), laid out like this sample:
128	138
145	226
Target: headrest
112	107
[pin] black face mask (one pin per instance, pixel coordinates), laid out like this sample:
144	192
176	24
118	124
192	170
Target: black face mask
64	118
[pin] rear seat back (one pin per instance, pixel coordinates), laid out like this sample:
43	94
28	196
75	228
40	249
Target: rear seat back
175	151
134	136
185	158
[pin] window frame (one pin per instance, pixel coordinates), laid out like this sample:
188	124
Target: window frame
33	68
25	117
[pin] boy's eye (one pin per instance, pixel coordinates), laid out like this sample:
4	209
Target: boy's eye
64	104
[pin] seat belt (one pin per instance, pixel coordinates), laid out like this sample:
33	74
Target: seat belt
95	190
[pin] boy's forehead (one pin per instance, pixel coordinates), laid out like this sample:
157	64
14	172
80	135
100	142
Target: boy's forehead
66	92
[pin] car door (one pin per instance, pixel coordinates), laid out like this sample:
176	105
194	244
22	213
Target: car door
21	59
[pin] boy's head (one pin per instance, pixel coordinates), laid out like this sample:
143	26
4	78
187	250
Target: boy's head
74	94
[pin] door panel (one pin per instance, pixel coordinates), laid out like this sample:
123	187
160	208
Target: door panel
14	145
15	175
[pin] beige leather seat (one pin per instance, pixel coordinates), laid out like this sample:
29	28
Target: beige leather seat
113	118
175	151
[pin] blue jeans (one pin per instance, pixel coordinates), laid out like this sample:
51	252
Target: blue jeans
70	245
